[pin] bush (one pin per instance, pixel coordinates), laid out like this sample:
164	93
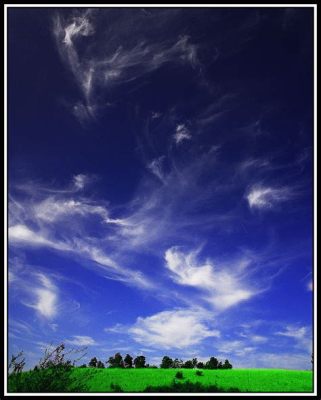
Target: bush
199	373
179	375
51	375
188	387
49	380
116	388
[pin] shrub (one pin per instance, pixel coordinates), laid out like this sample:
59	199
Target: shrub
179	375
116	388
51	375
199	373
188	387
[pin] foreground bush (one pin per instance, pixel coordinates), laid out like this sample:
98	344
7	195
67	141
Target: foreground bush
51	375
49	380
179	375
188	387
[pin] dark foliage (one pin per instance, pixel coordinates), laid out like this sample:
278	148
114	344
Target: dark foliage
188	387
227	365
100	364
51	375
178	363
16	363
116	388
116	361
179	375
188	364
139	362
167	362
93	362
199	373
212	363
128	361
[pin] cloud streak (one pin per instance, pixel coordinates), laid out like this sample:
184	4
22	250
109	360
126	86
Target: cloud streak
223	288
96	74
261	197
46	297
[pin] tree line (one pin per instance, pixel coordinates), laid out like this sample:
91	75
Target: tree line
117	361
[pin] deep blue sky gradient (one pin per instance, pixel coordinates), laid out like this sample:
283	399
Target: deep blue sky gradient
239	83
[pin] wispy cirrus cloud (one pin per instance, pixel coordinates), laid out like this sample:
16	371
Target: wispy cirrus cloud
300	334
223	288
80	340
156	167
49	222
182	133
265	197
95	72
23	235
46	297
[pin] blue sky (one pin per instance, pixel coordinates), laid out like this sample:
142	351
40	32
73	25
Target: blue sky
160	182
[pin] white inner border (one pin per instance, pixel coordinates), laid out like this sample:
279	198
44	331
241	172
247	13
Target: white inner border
314	190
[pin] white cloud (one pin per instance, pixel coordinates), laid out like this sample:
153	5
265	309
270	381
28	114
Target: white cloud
235	347
258	338
267	197
301	335
254	338
21	234
279	360
54	327
80	181
172	329
310	286
294	332
46	297
182	133
224	288
20	327
156	115
79	340
52	208
11	277
156	167
54	214
253	164
79	27
95	72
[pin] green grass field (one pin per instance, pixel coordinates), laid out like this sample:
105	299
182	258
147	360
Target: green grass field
245	380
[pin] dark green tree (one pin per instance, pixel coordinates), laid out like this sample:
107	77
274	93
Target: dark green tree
100	364
167	362
139	362
116	361
177	363
227	365
188	364
128	361
93	362
212	363
200	365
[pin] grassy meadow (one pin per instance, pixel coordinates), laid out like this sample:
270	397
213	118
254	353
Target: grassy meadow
163	380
